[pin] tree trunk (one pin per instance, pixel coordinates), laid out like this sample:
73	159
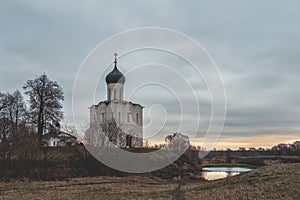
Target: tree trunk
40	124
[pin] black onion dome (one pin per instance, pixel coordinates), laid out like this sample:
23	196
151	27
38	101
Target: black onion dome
115	76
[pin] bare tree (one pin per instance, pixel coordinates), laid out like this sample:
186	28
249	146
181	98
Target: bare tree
4	129
45	99
1	101
4	125
14	108
111	130
12	111
105	135
71	129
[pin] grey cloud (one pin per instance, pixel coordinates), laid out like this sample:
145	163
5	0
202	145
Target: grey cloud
255	44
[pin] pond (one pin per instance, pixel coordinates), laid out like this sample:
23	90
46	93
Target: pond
214	173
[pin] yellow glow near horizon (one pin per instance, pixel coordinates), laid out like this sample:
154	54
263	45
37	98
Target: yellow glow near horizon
264	141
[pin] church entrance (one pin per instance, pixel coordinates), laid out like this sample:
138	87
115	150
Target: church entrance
128	141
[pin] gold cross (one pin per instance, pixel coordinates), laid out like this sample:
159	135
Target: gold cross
115	57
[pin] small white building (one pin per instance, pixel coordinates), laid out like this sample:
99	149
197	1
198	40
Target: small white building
58	139
114	119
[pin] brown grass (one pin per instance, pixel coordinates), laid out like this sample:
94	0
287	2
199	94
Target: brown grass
278	181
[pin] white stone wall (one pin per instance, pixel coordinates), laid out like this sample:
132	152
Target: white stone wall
128	116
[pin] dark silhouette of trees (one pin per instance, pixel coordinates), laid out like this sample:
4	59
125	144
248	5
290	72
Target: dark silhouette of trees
20	152
45	99
1	98
16	108
4	129
287	149
12	112
4	123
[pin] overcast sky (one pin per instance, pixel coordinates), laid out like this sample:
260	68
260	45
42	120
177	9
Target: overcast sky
255	44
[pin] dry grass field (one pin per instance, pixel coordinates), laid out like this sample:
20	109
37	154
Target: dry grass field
278	181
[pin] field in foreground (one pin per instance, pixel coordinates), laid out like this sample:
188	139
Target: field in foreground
277	181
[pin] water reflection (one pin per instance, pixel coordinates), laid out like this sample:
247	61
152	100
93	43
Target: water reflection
214	173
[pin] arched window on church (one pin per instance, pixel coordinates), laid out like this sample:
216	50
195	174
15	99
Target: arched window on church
128	117
109	94
120	94
137	118
119	117
103	117
115	94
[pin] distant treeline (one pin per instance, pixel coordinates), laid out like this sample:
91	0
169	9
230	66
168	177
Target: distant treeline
281	149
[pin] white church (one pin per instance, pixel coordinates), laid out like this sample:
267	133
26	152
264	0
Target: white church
115	121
